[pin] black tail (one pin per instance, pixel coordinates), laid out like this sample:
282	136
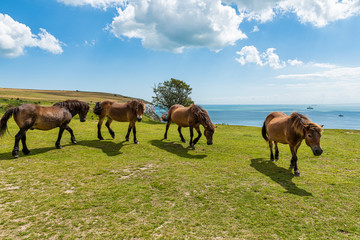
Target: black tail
5	118
98	108
165	117
264	132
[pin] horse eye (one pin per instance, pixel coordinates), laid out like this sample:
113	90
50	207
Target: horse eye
309	135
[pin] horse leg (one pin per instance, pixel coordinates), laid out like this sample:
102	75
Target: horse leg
276	151
134	132
199	134
271	151
181	136
61	131
18	137
127	137
25	150
191	137
167	128
294	159
73	140
101	119
108	122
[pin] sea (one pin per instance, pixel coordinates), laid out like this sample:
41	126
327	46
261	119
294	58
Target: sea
330	115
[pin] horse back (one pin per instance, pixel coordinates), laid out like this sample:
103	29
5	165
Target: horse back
121	112
181	116
277	127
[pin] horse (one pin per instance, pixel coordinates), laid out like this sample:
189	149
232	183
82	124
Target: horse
192	117
130	111
292	130
31	116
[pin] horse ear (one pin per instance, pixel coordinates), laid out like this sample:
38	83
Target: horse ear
322	126
307	126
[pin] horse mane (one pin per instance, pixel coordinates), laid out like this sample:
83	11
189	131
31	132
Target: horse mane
202	115
72	105
301	122
135	103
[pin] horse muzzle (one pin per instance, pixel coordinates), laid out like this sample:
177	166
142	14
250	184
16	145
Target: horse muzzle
139	119
83	120
317	151
209	142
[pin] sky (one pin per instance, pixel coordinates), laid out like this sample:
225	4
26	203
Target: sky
228	51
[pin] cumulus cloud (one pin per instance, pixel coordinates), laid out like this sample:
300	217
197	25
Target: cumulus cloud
294	62
255	29
94	3
178	24
15	37
249	54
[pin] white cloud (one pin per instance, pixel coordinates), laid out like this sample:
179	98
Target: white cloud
294	62
255	29
94	3
178	24
249	54
322	65
15	37
339	73
319	12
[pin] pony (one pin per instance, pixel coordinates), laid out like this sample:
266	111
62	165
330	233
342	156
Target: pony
292	130
31	116
130	111
192	117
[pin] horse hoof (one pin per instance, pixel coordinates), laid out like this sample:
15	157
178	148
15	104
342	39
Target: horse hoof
273	160
136	142
100	138
58	146
297	174
112	135
15	155
127	139
26	152
184	141
74	142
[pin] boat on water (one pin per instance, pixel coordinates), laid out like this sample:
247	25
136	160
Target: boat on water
309	107
340	115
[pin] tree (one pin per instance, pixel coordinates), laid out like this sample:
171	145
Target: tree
172	92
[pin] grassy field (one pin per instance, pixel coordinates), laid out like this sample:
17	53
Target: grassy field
161	189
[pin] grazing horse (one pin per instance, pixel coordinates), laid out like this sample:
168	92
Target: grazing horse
31	116
131	111
292	129
192	117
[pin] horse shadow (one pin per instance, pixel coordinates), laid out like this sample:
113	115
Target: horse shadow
280	175
33	151
111	148
176	148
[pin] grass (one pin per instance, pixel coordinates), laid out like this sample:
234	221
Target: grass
162	189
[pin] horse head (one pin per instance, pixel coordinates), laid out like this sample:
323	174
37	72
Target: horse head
209	132
84	108
138	107
312	137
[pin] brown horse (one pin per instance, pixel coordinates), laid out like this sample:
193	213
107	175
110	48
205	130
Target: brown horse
131	111
279	127
192	117
30	116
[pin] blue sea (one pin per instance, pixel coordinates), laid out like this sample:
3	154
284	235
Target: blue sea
331	116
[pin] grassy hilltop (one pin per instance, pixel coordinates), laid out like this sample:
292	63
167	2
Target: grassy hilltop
162	189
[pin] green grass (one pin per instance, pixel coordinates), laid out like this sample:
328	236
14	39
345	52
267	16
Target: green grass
162	189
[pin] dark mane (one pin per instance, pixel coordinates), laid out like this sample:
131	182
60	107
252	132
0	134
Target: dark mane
202	115
300	122
74	106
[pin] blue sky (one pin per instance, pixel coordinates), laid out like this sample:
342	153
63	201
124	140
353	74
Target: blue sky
230	52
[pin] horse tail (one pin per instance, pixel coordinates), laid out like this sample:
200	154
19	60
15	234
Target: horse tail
165	117
3	122
98	108
263	131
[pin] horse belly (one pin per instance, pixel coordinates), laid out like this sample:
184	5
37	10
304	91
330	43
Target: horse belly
180	119
118	114
51	120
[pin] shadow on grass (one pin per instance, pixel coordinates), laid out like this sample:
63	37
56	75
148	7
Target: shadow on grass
34	151
279	175
111	148
176	148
